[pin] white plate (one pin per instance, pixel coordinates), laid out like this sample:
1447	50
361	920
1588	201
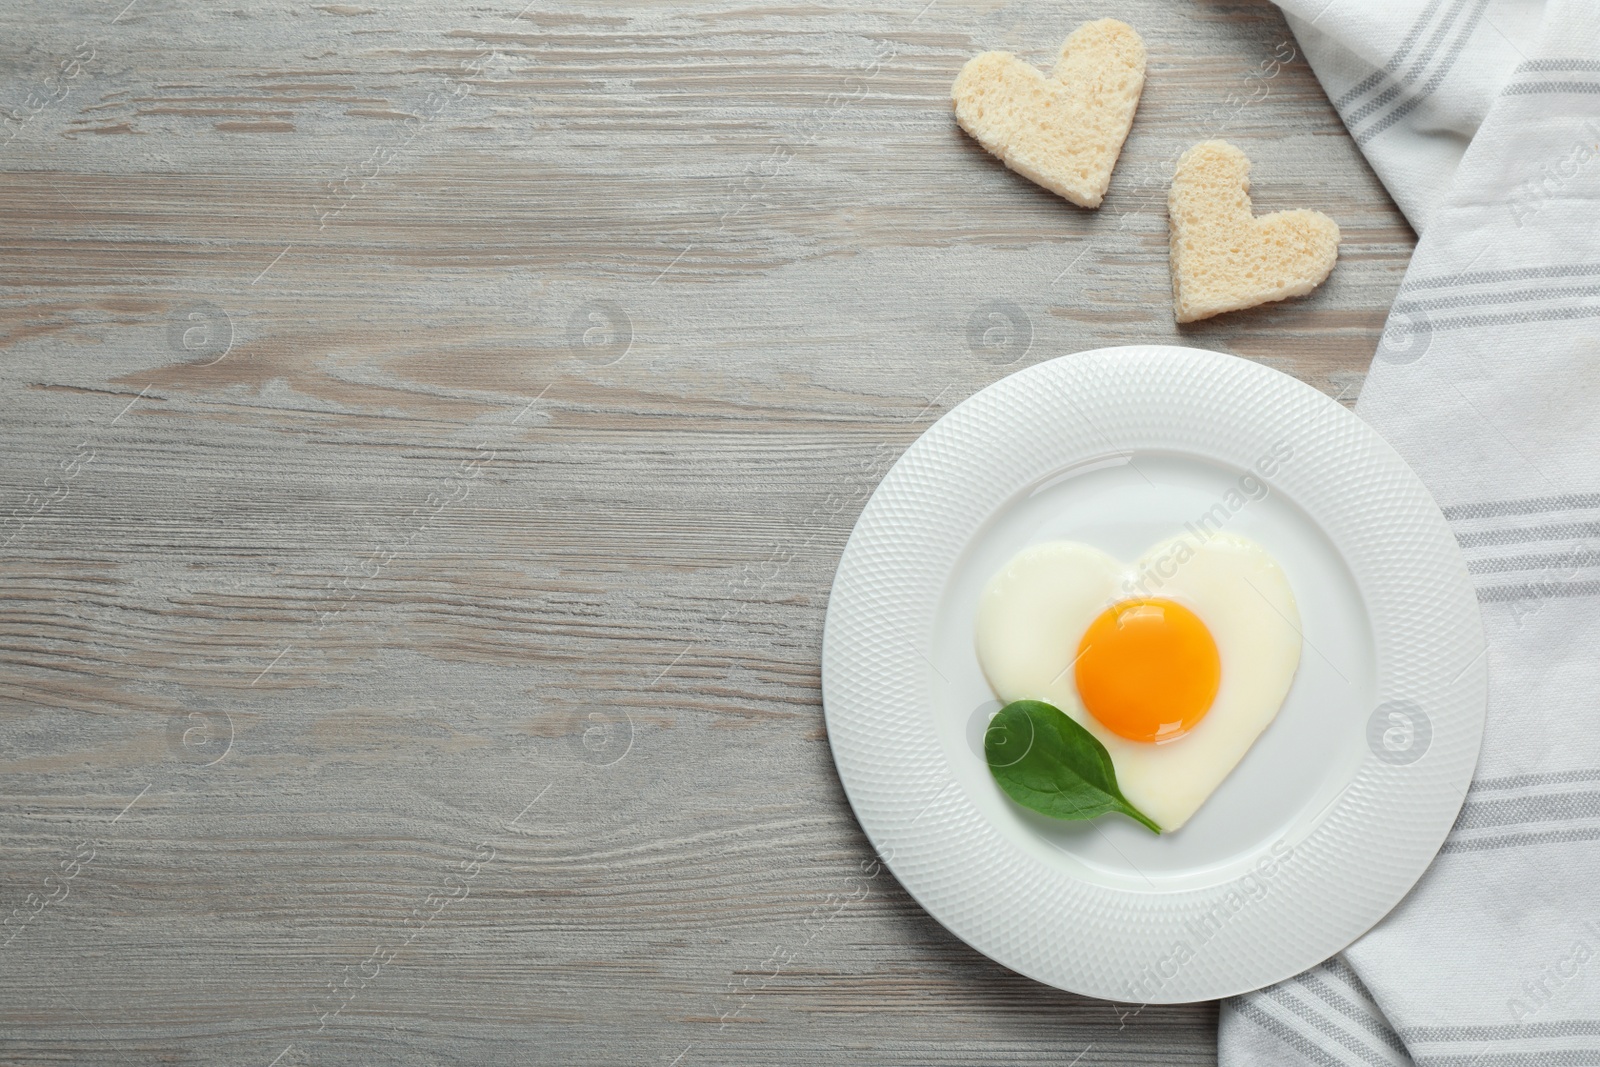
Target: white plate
1326	822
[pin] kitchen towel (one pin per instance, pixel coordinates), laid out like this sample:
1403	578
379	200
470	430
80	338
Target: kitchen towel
1482	118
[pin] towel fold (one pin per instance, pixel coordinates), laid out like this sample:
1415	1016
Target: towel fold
1482	118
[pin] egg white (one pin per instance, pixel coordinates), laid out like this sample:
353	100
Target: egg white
1034	612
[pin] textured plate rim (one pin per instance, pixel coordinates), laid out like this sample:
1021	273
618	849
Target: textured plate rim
1362	853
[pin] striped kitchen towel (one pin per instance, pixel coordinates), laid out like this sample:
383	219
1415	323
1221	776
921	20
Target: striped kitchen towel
1482	117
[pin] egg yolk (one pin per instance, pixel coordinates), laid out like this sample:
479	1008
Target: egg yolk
1148	669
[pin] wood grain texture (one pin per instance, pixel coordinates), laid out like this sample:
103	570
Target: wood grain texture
430	432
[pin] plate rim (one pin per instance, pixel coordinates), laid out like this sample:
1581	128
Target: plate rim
1131	378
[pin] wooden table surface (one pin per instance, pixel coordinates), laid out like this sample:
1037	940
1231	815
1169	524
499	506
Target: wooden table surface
430	431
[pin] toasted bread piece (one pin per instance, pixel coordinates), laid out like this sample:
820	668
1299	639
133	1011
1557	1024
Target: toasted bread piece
1065	131
1224	258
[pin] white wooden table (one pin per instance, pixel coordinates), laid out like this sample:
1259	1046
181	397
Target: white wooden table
430	431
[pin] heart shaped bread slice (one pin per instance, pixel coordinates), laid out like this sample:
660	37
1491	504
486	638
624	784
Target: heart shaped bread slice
1225	258
1065	131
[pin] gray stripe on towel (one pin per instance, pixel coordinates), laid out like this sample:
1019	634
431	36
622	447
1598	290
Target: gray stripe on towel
1542	66
1541	88
1413	71
1288	1035
1458	280
1488	509
1504	1031
1359	1014
1439	75
1473	321
1329	1028
1406	45
1516	296
1515	811
1521	781
1527	535
1562	1058
1520	840
1565	561
1503	594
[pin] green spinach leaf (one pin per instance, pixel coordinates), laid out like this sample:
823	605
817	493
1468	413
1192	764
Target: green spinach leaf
1048	763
